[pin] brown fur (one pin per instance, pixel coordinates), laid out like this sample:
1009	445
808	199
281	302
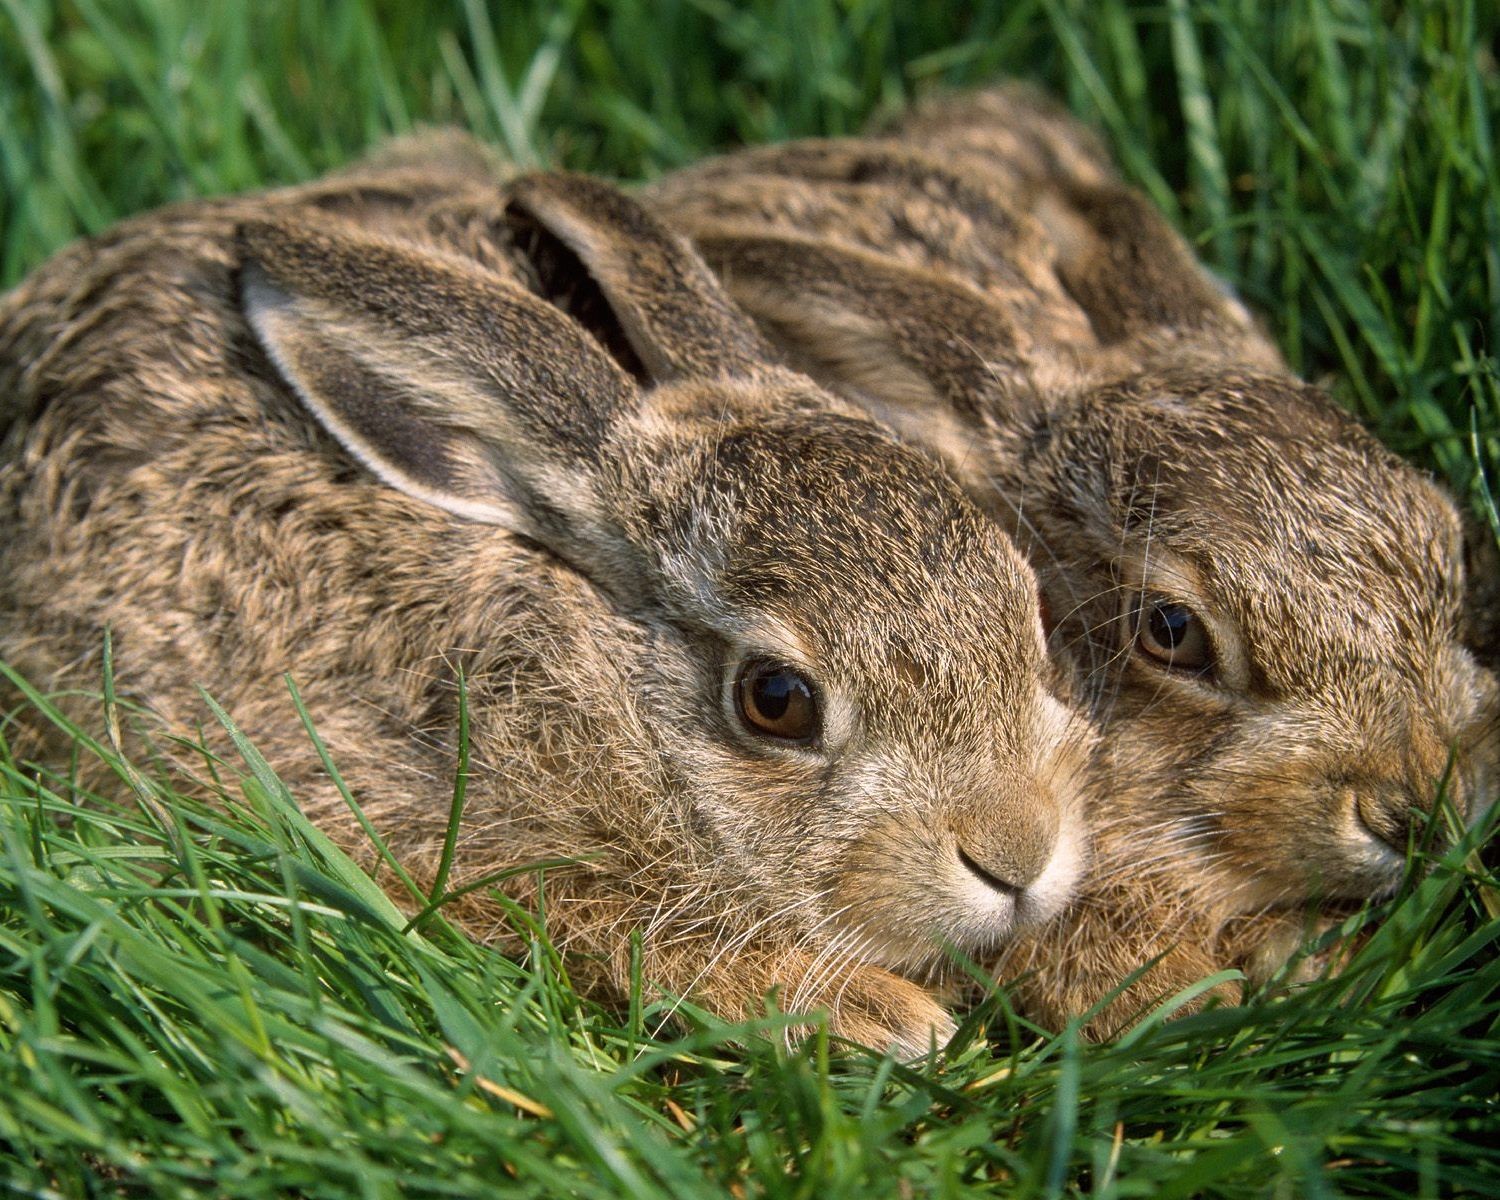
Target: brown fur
981	279
587	482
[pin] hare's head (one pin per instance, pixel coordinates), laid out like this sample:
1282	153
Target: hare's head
841	676
1263	606
1268	606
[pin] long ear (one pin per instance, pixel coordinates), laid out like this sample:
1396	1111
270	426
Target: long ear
861	163
1013	135
838	305
928	355
1130	270
674	313
449	384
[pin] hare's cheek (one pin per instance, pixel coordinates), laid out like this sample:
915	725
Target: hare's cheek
751	813
1310	840
882	888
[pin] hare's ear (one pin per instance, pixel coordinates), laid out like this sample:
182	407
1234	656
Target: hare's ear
1133	274
929	356
448	383
672	312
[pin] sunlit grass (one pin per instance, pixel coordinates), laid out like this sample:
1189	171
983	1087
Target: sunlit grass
210	996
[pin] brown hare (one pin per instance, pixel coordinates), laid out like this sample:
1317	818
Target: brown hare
763	675
1260	604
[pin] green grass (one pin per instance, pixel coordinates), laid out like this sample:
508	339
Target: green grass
215	1000
201	1000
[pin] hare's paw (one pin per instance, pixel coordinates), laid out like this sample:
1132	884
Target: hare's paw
1177	971
1264	947
875	1008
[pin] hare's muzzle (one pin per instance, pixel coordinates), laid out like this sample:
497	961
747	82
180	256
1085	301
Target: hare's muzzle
1397	815
1021	857
986	876
1009	856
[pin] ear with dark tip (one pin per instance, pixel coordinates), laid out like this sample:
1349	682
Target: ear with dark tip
905	170
402	177
449	384
838	306
674	314
1131	272
1013	133
437	152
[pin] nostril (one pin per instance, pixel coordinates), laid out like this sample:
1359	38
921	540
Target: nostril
1390	818
989	877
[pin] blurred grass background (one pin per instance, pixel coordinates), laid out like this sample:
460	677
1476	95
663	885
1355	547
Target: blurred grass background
205	1000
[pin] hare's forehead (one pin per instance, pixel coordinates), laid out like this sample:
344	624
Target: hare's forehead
1289	515
1311	610
871	514
935	678
856	604
1317	581
862	631
1396	553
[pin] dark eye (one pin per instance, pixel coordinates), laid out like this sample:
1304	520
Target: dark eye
1174	635
775	701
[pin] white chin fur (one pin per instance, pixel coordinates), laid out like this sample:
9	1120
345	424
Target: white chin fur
987	915
1374	864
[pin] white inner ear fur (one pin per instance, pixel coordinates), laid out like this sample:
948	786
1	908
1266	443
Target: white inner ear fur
494	462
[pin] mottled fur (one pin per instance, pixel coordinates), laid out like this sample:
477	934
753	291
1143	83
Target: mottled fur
980	278
565	463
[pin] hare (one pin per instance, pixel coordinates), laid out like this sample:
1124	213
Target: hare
1261	605
765	677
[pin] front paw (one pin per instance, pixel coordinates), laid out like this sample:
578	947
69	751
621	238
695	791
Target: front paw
876	1008
1054	984
1263	946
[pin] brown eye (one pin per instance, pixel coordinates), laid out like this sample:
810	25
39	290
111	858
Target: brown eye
1174	635
775	701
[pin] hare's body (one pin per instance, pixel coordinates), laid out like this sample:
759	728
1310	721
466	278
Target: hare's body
623	523
1260	603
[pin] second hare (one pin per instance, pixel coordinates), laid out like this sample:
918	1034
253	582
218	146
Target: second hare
1264	608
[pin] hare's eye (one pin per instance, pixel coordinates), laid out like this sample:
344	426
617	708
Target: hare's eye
776	701
1174	635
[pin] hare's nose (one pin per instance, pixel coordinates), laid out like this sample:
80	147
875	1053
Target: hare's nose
989	877
1393	812
1387	822
1005	855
